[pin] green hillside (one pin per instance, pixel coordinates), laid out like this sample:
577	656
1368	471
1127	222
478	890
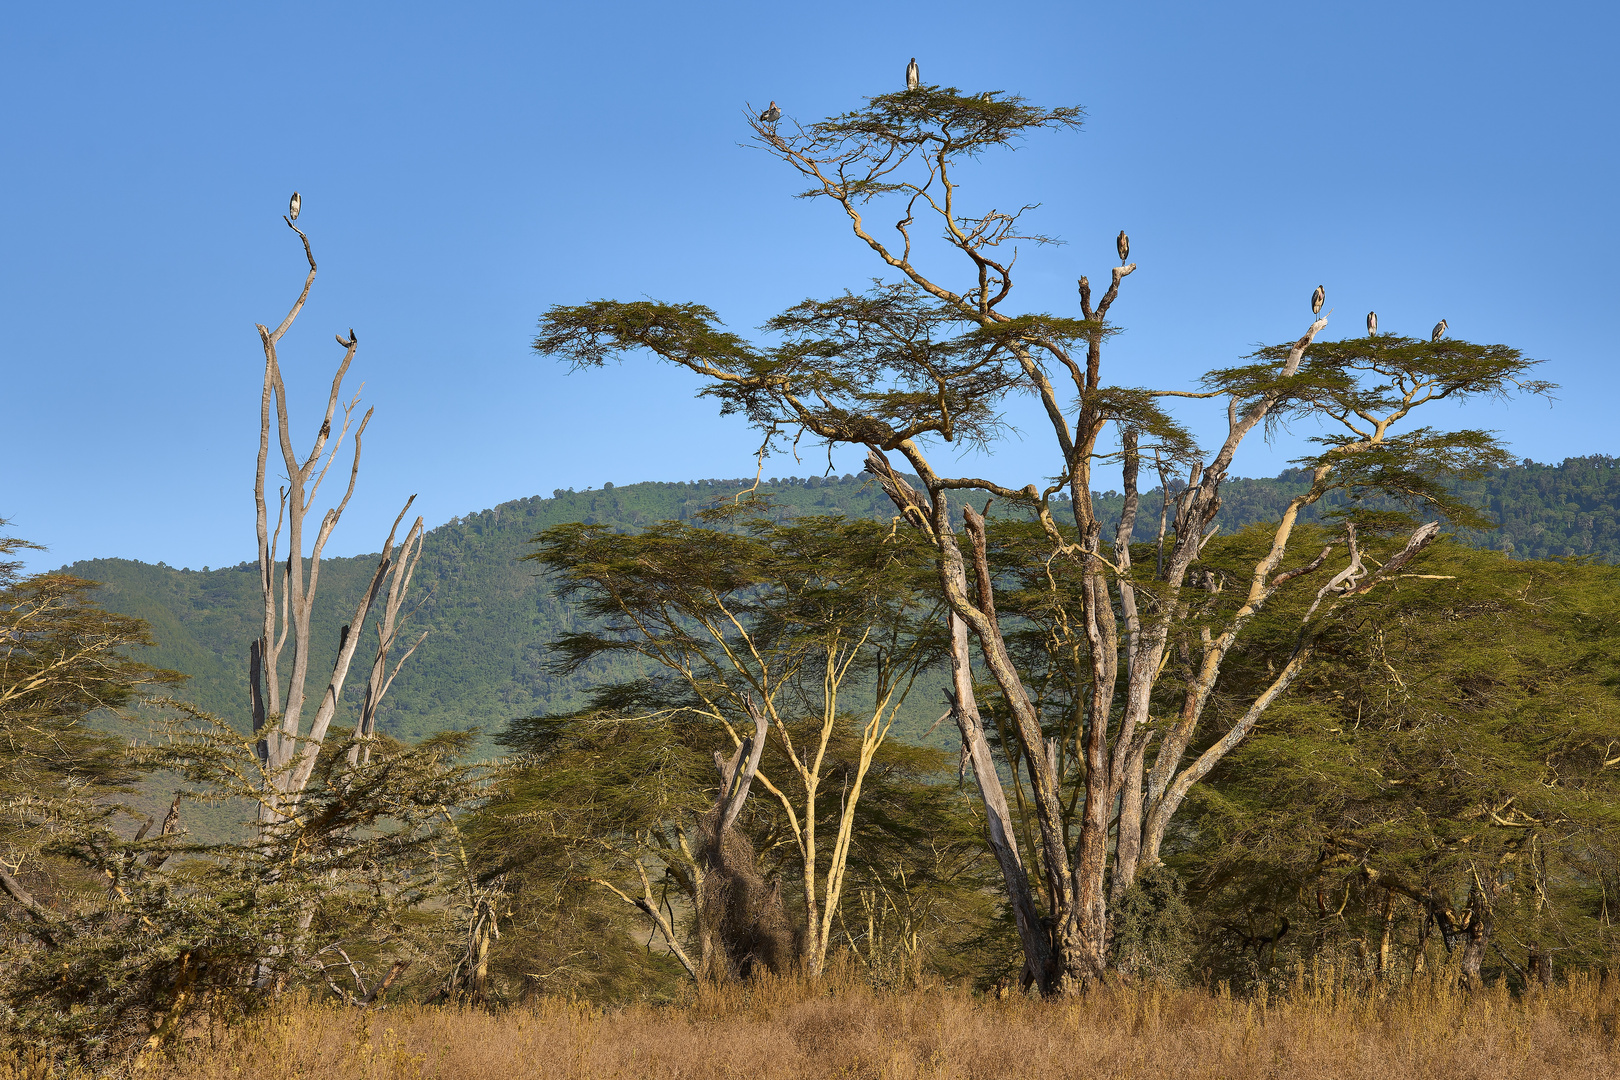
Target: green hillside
490	616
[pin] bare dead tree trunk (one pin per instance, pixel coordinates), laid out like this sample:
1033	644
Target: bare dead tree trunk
287	750
387	629
998	818
1126	772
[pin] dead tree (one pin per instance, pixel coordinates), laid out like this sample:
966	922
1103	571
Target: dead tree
287	750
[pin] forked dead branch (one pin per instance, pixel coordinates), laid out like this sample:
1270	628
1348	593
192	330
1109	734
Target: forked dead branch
287	751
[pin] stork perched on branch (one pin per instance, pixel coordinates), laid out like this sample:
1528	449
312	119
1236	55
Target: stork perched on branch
770	115
1122	244
1372	323
1439	331
913	77
1317	299
293	206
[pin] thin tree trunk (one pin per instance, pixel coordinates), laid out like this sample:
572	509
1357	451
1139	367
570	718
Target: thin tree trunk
1040	963
1381	971
1140	674
998	819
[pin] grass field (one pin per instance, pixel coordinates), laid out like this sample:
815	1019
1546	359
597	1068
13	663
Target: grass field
848	1030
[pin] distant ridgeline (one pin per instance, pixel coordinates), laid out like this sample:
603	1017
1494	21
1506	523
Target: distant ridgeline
490	616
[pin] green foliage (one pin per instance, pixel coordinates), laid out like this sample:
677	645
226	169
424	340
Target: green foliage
933	119
62	659
1459	738
344	896
1151	928
818	622
115	943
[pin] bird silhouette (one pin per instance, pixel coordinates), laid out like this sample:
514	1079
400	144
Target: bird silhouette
1317	298
771	115
913	78
1372	323
1122	244
293	206
1439	331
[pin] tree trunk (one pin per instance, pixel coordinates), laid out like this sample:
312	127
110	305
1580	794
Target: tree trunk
1539	964
1061	963
1381	971
998	819
743	925
1477	939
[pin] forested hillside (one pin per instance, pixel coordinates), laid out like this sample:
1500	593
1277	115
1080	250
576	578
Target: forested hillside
490	616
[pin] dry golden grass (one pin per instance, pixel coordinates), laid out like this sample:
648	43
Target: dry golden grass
846	1030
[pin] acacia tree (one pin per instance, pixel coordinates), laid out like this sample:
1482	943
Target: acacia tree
62	660
1446	779
813	632
933	356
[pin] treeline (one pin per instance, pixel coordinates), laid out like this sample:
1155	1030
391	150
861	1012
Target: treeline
1464	734
491	616
1453	750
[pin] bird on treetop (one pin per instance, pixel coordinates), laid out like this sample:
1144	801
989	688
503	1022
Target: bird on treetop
771	115
293	206
1372	323
1439	331
913	77
1122	244
1317	299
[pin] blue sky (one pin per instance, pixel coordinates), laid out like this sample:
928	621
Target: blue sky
465	166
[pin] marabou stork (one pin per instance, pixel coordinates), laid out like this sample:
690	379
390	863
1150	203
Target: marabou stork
1439	330
293	206
1122	244
913	78
1372	323
770	115
1317	299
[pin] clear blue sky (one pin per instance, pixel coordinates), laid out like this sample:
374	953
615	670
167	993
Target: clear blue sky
464	166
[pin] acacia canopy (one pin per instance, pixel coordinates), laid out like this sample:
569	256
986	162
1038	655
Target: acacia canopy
930	357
